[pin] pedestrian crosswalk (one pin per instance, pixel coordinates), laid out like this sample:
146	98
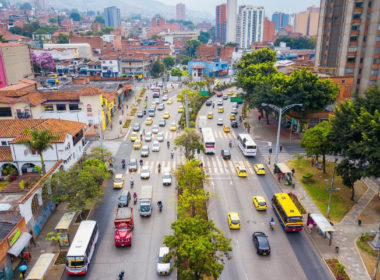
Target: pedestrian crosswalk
213	165
219	134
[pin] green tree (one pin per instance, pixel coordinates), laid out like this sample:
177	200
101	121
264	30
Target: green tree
52	20
257	57
185	60
2	39
100	153
204	37
99	19
169	62
191	47
299	43
107	30
63	39
75	15
191	141
232	44
176	72
157	68
355	136
316	141
26	6
199	248
38	141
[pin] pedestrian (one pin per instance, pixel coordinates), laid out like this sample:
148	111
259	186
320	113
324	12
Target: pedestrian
316	162
269	160
249	129
259	117
293	171
280	148
312	162
279	178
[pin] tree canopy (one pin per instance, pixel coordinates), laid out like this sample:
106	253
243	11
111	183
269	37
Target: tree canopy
192	46
169	62
75	15
204	37
185	60
260	56
176	72
191	141
63	39
26	6
296	43
157	68
99	19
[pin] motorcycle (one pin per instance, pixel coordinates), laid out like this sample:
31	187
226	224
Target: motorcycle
159	168
230	143
132	183
271	224
159	204
134	200
123	163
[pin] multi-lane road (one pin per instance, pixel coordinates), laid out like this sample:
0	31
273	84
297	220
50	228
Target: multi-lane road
292	255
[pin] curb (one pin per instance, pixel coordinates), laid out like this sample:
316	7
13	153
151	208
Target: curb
361	259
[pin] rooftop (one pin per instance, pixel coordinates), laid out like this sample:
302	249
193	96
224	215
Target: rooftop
8	220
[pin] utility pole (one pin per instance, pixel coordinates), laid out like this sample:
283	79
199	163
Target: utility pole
331	189
280	112
187	109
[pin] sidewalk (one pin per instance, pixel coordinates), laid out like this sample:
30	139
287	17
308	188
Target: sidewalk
347	231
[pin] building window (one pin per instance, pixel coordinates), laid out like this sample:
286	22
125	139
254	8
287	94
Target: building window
353	38
357	16
372	83
352	49
5	112
377	50
61	107
359	5
377	38
349	70
4	143
374	72
49	108
351	60
358	81
73	107
89	108
355	27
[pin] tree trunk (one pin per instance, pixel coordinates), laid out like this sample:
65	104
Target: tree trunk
267	116
42	164
193	209
324	163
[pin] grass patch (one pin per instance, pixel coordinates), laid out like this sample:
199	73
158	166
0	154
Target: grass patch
316	184
3	184
297	203
127	123
61	258
337	269
362	243
133	112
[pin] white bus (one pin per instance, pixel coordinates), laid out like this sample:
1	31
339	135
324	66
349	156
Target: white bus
247	145
82	248
208	140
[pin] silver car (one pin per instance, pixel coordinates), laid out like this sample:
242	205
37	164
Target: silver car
165	97
155	129
148	136
219	122
144	151
161	107
155	146
163	267
160	137
167	178
145	173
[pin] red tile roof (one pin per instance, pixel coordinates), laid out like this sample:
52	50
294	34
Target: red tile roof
5	154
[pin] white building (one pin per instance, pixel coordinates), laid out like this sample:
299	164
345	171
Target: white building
84	49
68	147
60	54
250	26
231	20
110	65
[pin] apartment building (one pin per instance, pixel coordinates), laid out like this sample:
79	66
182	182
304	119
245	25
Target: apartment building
250	26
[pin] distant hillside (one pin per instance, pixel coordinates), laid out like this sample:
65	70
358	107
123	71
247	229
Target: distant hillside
147	8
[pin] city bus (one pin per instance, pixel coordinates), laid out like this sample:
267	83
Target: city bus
287	212
247	145
82	248
208	140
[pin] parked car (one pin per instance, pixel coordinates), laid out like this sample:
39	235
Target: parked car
261	242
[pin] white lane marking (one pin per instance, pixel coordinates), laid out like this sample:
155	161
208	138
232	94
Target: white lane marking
237	243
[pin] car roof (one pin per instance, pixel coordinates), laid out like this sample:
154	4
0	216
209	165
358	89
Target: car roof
163	251
234	215
119	175
260	165
260	198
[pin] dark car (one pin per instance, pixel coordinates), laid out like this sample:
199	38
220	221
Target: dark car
261	242
234	124
225	97
226	154
162	123
132	165
208	103
140	114
124	199
136	127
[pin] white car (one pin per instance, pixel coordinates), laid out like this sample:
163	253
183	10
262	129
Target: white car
144	151
219	122
167	178
220	102
145	173
163	268
160	137
155	146
148	136
165	97
155	129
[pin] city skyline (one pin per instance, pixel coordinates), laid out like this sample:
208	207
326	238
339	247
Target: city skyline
269	6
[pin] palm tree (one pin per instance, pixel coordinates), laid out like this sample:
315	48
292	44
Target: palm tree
40	141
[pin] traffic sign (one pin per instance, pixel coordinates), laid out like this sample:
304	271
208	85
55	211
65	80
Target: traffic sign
204	92
236	99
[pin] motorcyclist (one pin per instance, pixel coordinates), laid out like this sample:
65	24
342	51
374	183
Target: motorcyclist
272	222
172	153
123	163
168	143
141	162
132	182
159	204
134	197
159	167
230	143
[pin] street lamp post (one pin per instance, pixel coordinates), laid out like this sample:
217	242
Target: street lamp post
331	189
280	112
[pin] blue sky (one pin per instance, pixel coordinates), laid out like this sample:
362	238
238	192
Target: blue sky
270	6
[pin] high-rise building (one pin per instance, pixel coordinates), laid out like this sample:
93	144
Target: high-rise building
231	20
349	40
112	17
281	20
306	23
221	23
181	11
269	30
250	26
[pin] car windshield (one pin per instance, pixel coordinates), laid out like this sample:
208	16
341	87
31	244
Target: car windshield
123	198
132	162
117	180
262	203
145	169
122	227
242	170
226	152
235	222
167	176
144	208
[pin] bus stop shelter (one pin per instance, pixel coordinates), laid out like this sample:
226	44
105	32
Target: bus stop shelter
41	267
63	228
324	225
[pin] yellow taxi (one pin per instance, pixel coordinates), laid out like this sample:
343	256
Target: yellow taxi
234	95
133	136
165	91
233	220
259	202
118	181
226	129
210	115
179	99
166	115
173	127
137	145
232	117
180	109
148	121
241	171
259	169
221	109
170	101
230	93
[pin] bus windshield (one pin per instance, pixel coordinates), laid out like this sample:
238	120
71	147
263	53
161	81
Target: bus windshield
75	261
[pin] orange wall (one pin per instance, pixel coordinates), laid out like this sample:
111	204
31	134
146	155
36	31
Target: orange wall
4	245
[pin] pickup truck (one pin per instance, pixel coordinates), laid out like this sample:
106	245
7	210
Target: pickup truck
146	201
123	225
